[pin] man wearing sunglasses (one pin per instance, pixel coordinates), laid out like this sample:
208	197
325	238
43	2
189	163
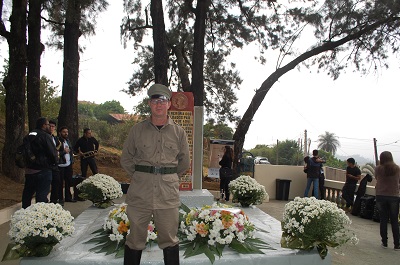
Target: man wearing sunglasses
155	153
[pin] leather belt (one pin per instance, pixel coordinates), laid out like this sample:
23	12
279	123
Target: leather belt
156	170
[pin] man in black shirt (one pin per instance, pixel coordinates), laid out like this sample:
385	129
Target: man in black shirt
87	147
353	175
38	174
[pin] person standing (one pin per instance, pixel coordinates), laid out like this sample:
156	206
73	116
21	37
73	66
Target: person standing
55	181
155	153
321	184
225	172
313	167
87	147
65	166
38	174
353	175
387	176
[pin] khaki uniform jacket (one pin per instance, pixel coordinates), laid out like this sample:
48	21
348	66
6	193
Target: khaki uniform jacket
147	145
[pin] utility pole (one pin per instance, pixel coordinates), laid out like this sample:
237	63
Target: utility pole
297	151
376	153
305	143
277	152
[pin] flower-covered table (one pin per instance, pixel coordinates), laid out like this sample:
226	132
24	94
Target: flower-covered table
72	250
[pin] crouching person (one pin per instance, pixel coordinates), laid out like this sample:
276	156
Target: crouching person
155	153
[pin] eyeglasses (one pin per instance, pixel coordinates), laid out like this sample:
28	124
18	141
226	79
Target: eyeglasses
52	125
156	101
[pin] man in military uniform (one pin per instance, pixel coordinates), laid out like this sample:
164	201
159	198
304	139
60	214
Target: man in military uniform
155	153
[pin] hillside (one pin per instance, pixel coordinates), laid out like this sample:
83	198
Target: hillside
108	162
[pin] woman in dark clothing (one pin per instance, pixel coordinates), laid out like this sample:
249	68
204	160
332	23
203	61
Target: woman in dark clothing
387	176
225	172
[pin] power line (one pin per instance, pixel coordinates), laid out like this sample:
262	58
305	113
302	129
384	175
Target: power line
358	139
388	143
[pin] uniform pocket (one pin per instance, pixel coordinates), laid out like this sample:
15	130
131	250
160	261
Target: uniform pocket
139	189
171	149
169	187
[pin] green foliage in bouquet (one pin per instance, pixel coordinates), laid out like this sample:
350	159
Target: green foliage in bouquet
112	236
210	229
247	191
310	223
36	229
100	189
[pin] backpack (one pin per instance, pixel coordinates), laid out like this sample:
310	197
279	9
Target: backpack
24	155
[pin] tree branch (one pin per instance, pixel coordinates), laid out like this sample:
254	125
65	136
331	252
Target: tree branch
146	26
53	21
189	4
244	124
3	31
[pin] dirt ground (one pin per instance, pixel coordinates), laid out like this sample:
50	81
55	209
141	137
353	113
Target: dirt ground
108	162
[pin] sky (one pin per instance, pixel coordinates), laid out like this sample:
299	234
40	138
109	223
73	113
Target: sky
355	108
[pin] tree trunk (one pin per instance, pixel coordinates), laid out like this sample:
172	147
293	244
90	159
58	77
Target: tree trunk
160	43
14	84
198	51
68	115
183	70
35	48
244	124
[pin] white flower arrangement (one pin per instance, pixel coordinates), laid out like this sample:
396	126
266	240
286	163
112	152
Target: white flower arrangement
247	191
100	189
209	229
36	229
309	223
112	236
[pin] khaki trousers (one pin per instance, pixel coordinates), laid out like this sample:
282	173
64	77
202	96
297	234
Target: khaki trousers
165	220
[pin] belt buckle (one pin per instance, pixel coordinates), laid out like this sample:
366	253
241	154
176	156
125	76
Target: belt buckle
157	170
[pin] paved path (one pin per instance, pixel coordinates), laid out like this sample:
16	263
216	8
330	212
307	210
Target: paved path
367	252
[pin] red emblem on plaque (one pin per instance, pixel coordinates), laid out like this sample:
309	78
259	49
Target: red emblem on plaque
180	101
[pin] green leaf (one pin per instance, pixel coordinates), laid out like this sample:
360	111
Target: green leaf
120	253
258	243
185	208
98	231
111	248
215	251
10	253
220	249
97	239
188	249
244	248
206	250
99	247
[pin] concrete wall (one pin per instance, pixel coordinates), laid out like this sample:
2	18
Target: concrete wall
267	174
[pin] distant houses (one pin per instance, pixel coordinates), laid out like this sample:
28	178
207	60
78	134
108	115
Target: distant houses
116	118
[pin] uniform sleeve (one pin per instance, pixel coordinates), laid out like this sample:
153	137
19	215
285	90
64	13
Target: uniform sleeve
128	153
184	155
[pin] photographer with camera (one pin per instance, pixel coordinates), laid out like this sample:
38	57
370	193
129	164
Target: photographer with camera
314	165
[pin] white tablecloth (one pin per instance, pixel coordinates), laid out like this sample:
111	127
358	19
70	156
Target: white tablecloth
72	250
